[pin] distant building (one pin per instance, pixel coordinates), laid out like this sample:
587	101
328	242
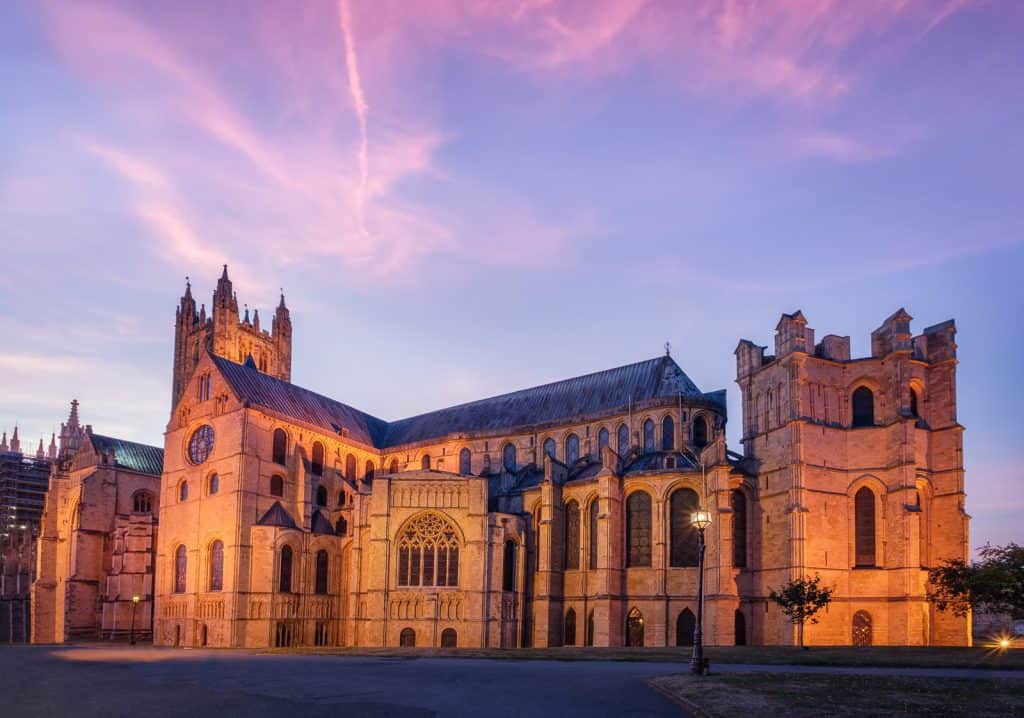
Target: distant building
17	571
23	483
97	538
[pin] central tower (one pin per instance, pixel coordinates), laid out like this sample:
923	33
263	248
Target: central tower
227	335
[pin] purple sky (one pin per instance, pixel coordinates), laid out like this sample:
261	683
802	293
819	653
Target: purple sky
464	198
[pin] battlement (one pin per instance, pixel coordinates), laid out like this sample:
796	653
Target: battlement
792	335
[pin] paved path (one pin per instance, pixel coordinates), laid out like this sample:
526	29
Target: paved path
148	682
867	671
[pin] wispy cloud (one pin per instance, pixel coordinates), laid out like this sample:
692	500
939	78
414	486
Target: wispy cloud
355	84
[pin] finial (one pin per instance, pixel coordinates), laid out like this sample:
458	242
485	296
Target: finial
246	320
668	349
281	305
224	275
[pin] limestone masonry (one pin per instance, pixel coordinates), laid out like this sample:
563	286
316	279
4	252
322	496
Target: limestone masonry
557	515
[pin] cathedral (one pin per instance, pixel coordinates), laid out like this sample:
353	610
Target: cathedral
557	515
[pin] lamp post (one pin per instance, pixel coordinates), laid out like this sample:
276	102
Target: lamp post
131	631
701	520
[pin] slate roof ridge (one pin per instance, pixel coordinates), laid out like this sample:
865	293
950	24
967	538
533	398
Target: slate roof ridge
131	455
277	515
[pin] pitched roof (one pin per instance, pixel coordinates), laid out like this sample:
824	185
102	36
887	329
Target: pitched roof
129	455
277	516
261	389
602	391
320	524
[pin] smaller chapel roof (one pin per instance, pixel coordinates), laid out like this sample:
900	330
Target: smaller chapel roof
130	455
277	516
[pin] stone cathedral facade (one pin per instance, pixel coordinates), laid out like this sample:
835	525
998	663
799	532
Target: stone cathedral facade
557	515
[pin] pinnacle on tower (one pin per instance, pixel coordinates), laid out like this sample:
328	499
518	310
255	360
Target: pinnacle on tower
256	319
246	319
40	452
3	442
281	305
51	454
15	441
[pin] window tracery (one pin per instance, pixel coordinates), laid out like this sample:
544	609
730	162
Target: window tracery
428	553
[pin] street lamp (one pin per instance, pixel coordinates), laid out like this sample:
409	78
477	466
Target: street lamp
131	632
701	520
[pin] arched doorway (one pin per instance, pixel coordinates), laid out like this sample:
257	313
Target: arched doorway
449	638
739	624
862	628
634	628
686	622
407	638
570	628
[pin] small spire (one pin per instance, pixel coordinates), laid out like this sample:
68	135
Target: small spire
256	318
15	441
668	349
224	275
3	442
52	453
281	305
40	452
246	320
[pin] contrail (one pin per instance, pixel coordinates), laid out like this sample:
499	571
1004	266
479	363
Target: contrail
355	86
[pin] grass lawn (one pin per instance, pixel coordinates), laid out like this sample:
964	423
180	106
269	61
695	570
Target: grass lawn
791	695
922	657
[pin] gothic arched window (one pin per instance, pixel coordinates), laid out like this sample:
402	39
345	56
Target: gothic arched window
508	458
508	582
572	536
350	467
407	638
428	553
341	499
570	628
280	446
590	629
739	628
648	436
217	566
700	432
276	485
321	496
317	464
623	441
738	502
183	491
864	526
370	471
668	434
863	401
572	449
913	403
284	574
862	628
549	448
142	502
425	462
180	568
213	484
465	462
393	469
638	529
686	622
602	441
593	533
321	572
682	505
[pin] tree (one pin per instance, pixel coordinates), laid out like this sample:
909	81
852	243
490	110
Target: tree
800	600
993	583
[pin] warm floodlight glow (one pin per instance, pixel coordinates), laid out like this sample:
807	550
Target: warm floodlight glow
1000	643
701	519
135	599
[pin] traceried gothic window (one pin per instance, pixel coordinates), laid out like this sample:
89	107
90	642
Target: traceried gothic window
317	463
602	441
200	444
284	573
280	446
142	502
648	436
623	441
700	432
668	434
465	462
428	553
276	485
508	458
321	496
217	566
572	536
682	505
593	533
350	467
572	449
863	407
549	448
321	572
862	628
739	528
180	568
638	529
864	526
370	470
508	578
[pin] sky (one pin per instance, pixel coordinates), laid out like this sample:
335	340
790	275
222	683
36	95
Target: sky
465	198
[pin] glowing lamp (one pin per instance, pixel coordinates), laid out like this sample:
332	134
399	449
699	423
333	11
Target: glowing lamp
135	599
701	519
